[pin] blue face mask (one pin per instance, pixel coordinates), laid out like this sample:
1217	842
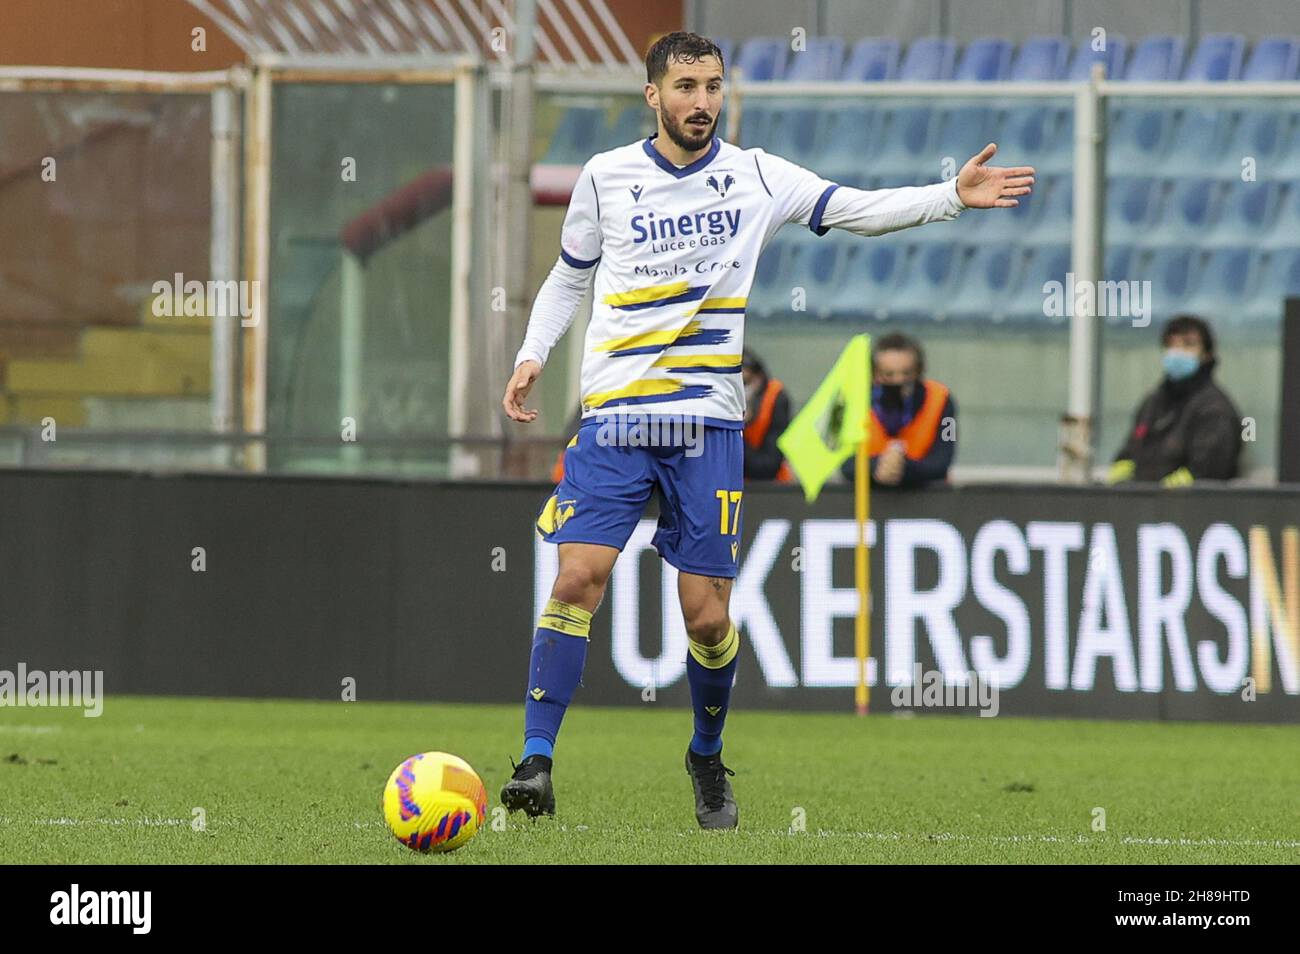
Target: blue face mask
1179	364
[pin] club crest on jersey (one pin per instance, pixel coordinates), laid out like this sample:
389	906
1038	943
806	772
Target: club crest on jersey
728	181
636	191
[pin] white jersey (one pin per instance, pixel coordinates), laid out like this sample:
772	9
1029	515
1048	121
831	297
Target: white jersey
674	251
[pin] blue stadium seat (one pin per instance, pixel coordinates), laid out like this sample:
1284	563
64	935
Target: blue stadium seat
1286	226
1119	267
1130	207
815	268
760	124
869	275
1225	279
1139	137
633	123
963	131
1274	59
821	59
1112	58
728	48
575	137
1279	278
984	60
1286	165
1200	136
769	296
1053	224
1027	301
1250	210
1119	262
1155	59
1044	135
906	135
988	273
1187	208
872	59
1217	58
928	58
852	137
763	58
798	134
928	283
1263	133
1169	269
1041	59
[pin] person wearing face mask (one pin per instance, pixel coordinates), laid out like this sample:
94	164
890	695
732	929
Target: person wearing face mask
767	415
913	419
1187	429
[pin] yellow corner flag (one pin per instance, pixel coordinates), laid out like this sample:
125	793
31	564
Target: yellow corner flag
832	424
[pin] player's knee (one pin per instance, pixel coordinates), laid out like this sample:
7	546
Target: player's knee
708	625
579	584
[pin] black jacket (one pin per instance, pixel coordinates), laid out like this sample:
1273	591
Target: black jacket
762	462
917	473
1190	423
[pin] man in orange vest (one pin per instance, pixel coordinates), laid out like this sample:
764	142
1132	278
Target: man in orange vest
913	420
767	415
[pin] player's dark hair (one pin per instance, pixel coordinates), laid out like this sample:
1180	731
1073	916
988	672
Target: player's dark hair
897	341
750	359
681	46
1181	324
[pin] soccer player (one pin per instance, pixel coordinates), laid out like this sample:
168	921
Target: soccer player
670	229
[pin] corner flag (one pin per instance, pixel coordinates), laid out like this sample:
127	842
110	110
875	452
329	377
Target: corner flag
832	424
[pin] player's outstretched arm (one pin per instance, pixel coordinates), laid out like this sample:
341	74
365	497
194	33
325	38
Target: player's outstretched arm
981	186
521	382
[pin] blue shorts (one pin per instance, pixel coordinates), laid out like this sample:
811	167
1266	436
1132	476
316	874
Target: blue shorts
609	475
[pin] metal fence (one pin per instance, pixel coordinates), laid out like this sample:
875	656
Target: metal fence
363	201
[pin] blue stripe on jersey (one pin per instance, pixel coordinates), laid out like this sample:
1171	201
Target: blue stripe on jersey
577	262
654	417
760	177
685	394
705	336
815	222
696	369
691	294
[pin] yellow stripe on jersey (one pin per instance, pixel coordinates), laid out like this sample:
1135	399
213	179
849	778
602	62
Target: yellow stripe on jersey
719	304
640	295
646	387
698	361
648	338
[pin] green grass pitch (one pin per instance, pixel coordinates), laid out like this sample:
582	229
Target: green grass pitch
300	782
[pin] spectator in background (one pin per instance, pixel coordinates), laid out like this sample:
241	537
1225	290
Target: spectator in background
767	415
913	420
1187	428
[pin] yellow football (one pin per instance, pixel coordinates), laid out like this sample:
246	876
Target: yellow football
434	802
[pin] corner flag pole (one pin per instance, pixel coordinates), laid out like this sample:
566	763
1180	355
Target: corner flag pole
861	556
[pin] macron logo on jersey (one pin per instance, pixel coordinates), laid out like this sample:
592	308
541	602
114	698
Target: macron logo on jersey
648	227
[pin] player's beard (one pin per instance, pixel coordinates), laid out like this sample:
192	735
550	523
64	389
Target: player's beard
685	136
